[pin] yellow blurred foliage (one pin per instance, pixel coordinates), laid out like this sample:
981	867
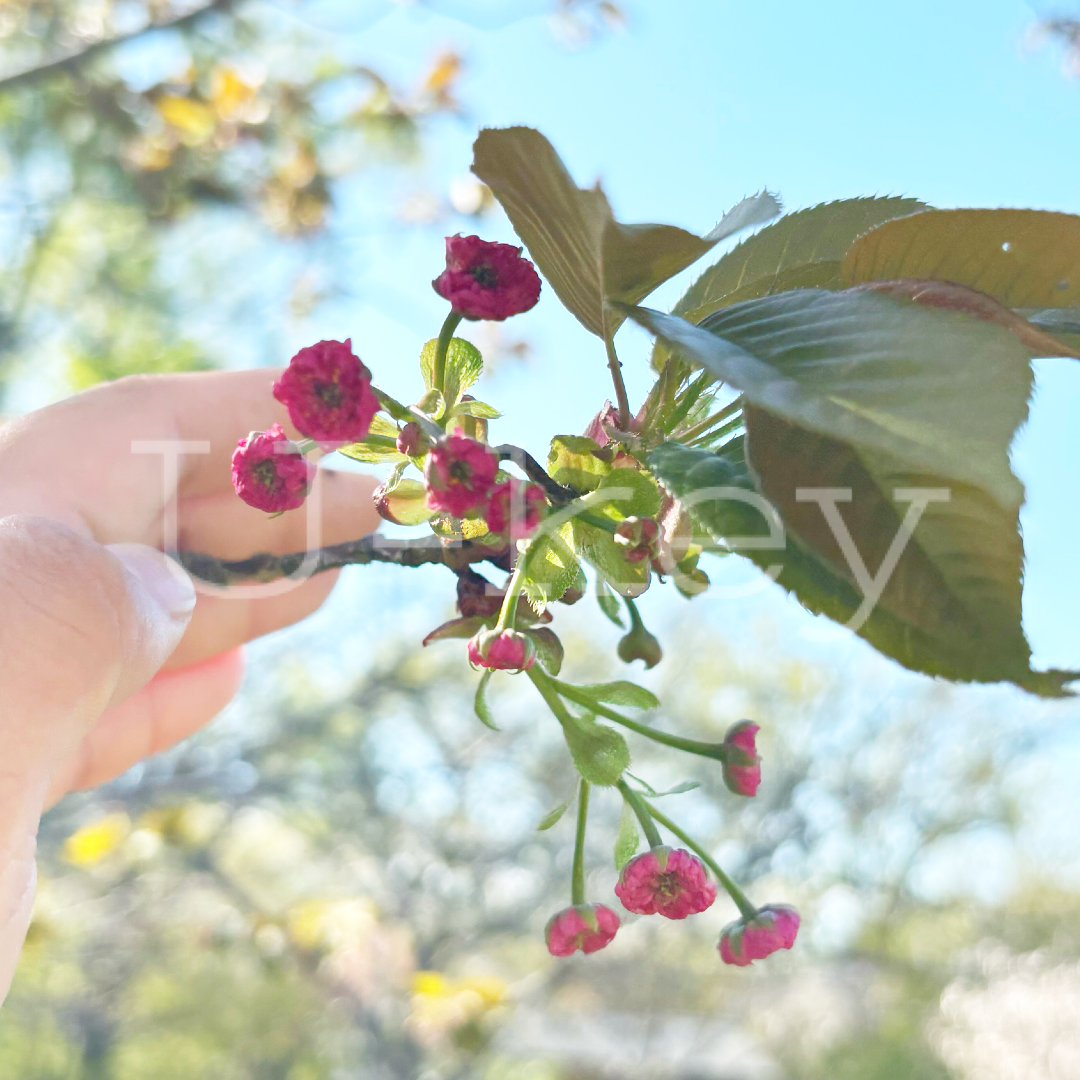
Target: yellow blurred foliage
194	121
229	94
96	841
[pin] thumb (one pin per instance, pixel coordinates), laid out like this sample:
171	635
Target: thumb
83	627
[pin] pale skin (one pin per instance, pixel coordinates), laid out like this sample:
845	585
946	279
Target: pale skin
107	654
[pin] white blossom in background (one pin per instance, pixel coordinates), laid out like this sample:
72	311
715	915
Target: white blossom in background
1020	1021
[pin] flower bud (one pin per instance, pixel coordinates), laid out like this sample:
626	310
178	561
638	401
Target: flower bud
459	474
639	644
741	763
269	472
410	440
587	927
639	537
667	882
774	927
506	651
327	390
485	280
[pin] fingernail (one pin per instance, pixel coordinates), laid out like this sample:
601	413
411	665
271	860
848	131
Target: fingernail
163	578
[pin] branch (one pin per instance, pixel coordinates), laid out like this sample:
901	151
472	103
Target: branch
76	59
536	472
266	567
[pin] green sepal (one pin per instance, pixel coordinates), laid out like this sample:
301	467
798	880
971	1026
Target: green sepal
552	817
480	705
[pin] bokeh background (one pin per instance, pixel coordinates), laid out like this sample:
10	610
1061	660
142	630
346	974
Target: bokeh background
342	878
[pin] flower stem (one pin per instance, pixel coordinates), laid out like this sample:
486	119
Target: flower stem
746	909
577	875
446	334
620	387
717	751
641	812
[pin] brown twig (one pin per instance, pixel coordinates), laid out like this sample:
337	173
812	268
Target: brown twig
265	567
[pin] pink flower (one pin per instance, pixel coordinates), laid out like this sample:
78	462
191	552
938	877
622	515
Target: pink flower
667	882
741	763
515	508
327	391
409	440
746	940
269	472
506	651
483	280
460	474
587	927
608	416
638	537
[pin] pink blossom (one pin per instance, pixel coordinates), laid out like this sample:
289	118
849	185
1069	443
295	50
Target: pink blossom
269	472
460	474
515	508
506	651
741	763
608	416
667	882
484	280
587	927
327	391
746	940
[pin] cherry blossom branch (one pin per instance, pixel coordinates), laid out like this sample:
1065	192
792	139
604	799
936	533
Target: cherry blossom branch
536	472
265	567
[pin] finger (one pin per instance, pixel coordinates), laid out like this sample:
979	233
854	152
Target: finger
98	461
21	799
172	706
339	508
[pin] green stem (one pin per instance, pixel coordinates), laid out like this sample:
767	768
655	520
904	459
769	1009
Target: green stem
717	751
577	875
699	429
635	617
597	521
620	387
641	812
746	909
446	334
508	611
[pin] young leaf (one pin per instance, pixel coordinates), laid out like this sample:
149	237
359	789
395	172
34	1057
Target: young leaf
406	503
549	649
650	792
552	817
600	753
463	367
480	705
626	843
633	493
553	564
458	628
374	450
585	254
577	462
621	693
610	561
480	409
609	603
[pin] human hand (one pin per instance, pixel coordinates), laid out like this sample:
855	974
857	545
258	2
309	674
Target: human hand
106	654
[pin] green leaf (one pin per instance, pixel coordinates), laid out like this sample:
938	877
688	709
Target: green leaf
458	628
479	409
585	254
610	561
626	843
940	391
576	461
464	364
549	649
634	493
951	607
374	450
552	817
652	793
609	603
406	503
620	693
380	425
553	565
803	250
480	705
600	753
1022	258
